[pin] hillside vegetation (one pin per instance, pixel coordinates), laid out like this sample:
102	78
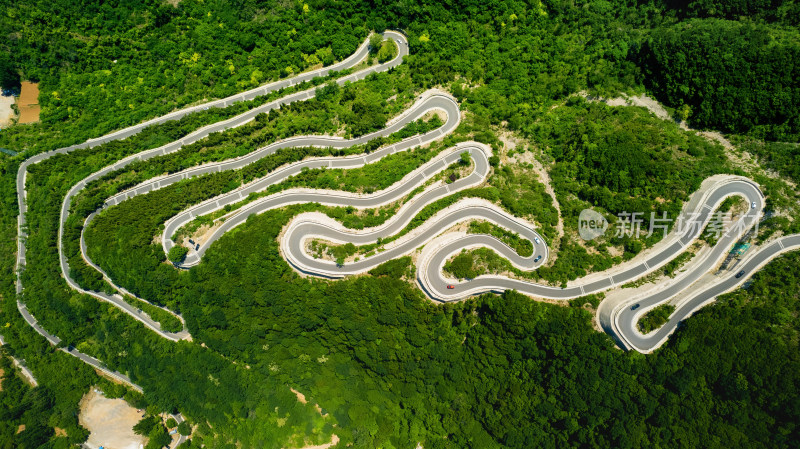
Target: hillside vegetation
732	76
387	367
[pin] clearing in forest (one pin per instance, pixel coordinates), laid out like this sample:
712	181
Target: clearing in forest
110	422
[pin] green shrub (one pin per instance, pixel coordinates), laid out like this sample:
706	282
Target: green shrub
177	253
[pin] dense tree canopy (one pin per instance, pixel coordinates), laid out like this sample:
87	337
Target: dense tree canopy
387	367
735	76
785	11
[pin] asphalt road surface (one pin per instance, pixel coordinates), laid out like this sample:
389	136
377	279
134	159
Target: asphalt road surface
437	250
627	316
431	101
437	286
239	120
195	136
308	226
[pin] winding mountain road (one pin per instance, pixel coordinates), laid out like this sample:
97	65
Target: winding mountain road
437	250
623	327
307	226
359	56
694	223
622	318
428	102
618	319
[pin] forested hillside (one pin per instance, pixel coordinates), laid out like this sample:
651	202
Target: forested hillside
387	367
107	65
732	76
122	62
783	11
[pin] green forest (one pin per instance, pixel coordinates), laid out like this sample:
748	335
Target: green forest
388	367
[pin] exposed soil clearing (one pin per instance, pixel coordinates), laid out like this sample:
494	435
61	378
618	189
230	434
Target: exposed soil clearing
110	422
334	438
334	441
29	103
544	178
6	112
302	399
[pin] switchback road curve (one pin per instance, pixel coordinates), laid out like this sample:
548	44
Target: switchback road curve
429	101
301	230
314	225
622	319
353	60
195	136
694	220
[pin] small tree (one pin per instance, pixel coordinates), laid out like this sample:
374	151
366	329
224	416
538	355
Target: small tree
465	158
387	52
375	42
684	112
171	423
158	438
77	435
9	77
184	429
177	253
145	426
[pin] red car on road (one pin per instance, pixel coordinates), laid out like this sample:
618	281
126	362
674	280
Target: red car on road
450	287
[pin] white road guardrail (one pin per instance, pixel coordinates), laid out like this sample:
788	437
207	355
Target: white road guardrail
620	322
360	55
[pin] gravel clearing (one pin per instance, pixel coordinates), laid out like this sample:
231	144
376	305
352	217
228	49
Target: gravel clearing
110	422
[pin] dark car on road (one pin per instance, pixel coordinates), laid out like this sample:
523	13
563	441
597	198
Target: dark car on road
739	274
635	306
538	258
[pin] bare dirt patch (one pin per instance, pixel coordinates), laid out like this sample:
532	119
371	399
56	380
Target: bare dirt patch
110	422
654	107
742	160
334	441
544	177
6	112
29	103
302	398
204	232
435	113
334	438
